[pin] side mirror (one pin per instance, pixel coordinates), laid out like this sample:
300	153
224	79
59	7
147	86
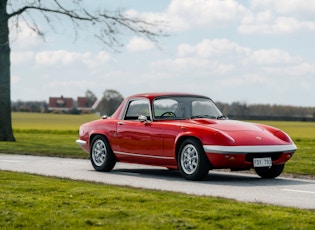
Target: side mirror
142	118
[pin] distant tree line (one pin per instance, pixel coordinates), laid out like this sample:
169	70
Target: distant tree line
29	106
241	110
111	99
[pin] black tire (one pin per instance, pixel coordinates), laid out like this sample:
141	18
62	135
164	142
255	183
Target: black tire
101	154
269	173
192	161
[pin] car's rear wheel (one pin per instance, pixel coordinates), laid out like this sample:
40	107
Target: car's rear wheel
102	157
270	172
192	161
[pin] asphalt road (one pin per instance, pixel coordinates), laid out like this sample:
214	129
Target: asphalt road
282	191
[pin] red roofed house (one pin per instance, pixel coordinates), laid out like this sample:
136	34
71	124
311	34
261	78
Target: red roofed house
60	104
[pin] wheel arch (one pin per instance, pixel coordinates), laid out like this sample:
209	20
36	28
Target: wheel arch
181	139
95	133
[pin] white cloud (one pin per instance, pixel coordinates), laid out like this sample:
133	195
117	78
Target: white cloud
21	57
98	60
227	65
278	17
67	58
260	17
63	57
22	37
284	6
267	23
212	48
272	57
208	58
303	71
185	14
304	68
138	44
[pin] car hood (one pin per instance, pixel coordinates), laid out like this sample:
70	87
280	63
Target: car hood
243	133
226	125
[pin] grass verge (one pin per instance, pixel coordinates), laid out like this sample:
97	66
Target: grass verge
35	202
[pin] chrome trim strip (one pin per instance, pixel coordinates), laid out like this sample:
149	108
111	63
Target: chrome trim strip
249	149
142	155
80	142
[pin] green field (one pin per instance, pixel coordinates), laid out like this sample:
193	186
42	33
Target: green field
55	135
47	121
296	129
36	202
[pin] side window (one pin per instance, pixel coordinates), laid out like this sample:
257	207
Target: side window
165	108
136	108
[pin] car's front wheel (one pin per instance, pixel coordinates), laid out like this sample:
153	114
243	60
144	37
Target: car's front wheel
102	157
270	172
192	161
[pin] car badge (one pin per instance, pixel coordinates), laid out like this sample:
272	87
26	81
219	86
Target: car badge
259	138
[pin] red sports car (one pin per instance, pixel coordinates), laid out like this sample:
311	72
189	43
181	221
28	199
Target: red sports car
185	132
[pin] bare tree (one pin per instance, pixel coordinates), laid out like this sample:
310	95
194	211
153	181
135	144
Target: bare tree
90	98
109	103
103	25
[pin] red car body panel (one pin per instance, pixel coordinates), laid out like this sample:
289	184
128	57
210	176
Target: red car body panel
227	143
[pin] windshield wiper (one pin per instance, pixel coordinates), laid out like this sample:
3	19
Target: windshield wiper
202	116
221	117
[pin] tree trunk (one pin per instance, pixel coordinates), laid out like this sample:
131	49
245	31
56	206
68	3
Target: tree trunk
6	132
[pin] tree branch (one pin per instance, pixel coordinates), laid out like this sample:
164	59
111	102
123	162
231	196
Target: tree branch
65	13
110	24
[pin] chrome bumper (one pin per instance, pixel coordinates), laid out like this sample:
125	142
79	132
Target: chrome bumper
80	142
249	149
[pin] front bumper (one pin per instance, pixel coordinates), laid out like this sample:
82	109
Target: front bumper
80	142
241	157
249	149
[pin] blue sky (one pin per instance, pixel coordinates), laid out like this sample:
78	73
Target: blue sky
250	51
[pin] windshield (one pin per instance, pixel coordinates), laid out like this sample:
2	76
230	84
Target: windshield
185	107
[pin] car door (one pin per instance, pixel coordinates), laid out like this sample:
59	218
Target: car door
139	139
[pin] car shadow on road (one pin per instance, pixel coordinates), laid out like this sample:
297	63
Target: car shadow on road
214	177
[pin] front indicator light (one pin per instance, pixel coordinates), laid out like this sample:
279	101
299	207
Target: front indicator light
230	157
289	156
